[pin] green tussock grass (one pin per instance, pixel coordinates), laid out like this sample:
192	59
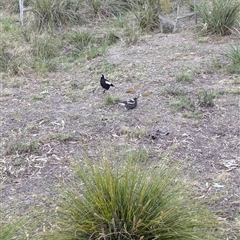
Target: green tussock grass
234	58
111	200
218	15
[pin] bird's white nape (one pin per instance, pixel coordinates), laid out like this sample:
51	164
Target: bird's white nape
131	101
107	82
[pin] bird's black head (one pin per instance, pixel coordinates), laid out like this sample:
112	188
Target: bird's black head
102	76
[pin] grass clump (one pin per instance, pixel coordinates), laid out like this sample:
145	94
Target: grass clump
21	147
185	76
131	34
234	57
111	99
79	40
11	61
56	13
45	52
219	15
103	9
175	91
123	201
182	103
205	98
236	80
84	44
11	6
146	13
136	132
11	229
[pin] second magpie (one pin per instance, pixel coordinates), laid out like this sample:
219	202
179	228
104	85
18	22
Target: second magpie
131	103
105	83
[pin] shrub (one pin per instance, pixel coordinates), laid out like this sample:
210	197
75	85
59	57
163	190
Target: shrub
218	15
123	201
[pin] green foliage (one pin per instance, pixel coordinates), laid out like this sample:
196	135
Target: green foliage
185	76
182	103
218	15
196	114
11	6
84	44
132	33
236	80
10	229
175	91
110	38
45	51
45	47
205	98
234	57
165	6
4	58
11	61
133	132
110	99
78	41
55	13
123	201
20	146
62	137
103	8
146	13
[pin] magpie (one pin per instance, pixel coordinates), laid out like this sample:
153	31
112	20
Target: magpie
131	103
105	83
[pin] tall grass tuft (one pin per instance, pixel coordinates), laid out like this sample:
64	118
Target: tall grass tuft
85	44
103	9
11	60
45	51
234	57
124	201
12	229
78	41
206	97
56	13
219	15
146	13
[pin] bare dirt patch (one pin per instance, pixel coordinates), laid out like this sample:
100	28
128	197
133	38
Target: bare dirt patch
47	120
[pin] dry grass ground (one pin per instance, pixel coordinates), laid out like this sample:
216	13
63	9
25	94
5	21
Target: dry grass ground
46	120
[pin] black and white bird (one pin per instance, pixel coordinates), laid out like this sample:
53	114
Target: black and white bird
105	83
130	104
